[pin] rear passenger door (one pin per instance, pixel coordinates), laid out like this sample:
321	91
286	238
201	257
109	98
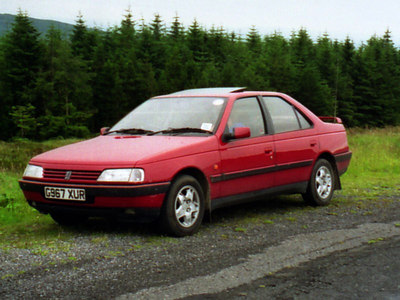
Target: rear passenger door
296	145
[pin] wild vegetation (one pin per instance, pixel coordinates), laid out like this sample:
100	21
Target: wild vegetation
57	85
372	179
15	214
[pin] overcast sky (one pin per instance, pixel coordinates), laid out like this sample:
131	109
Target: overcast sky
359	19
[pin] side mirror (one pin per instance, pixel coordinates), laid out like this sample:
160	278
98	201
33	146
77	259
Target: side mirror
238	133
104	130
241	132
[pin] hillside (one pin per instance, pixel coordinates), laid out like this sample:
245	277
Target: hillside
41	25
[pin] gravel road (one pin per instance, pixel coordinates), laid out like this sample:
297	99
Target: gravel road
116	260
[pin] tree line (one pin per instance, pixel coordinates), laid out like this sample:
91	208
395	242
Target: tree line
54	85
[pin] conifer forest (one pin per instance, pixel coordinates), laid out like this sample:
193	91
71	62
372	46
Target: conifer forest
70	85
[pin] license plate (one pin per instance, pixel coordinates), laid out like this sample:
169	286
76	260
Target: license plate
65	193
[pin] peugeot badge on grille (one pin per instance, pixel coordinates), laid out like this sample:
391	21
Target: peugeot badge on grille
68	175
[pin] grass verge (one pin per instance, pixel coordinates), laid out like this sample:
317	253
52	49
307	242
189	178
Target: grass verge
21	225
375	166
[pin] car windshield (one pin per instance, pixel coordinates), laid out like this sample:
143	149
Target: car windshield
189	115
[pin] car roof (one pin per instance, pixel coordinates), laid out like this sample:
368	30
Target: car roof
209	91
218	92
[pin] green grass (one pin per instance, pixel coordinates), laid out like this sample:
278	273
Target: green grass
373	175
15	155
375	166
17	218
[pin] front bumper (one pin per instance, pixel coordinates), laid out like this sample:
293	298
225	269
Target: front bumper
99	198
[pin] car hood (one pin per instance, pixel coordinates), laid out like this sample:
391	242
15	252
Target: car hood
124	151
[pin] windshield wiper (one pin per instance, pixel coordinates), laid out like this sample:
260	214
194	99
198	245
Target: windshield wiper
181	130
132	130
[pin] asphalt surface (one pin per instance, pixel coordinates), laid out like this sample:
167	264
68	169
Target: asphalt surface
371	271
278	248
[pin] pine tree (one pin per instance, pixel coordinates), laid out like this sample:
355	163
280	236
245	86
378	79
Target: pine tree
23	118
176	31
157	28
64	89
253	41
389	66
280	72
22	54
217	46
309	88
158	46
326	60
344	86
48	85
82	40
104	82
195	40
176	72
127	32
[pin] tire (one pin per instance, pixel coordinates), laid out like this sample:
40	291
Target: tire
321	185
68	219
183	208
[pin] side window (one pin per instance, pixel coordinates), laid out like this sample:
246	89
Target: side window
246	112
283	114
303	121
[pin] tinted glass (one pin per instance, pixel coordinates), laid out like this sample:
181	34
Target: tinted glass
247	113
282	114
303	121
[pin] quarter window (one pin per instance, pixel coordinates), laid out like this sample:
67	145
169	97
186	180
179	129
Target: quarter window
246	112
303	121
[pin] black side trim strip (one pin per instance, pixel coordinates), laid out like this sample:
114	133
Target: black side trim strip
299	187
224	177
104	191
343	156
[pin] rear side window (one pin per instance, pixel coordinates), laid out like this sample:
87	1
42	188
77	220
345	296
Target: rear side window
284	116
246	112
304	123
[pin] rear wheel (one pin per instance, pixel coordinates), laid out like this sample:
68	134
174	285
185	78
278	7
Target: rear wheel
183	209
321	185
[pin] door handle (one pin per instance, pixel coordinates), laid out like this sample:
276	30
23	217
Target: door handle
313	143
269	152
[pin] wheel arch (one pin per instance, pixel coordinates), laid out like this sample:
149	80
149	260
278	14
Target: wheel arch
331	159
201	178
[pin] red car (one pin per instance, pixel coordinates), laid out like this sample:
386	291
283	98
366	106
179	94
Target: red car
176	156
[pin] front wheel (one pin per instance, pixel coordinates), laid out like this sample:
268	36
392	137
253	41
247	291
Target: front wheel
321	185
183	210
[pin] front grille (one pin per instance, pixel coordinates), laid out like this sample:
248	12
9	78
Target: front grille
75	175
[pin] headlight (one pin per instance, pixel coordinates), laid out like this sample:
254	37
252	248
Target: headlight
122	175
33	171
